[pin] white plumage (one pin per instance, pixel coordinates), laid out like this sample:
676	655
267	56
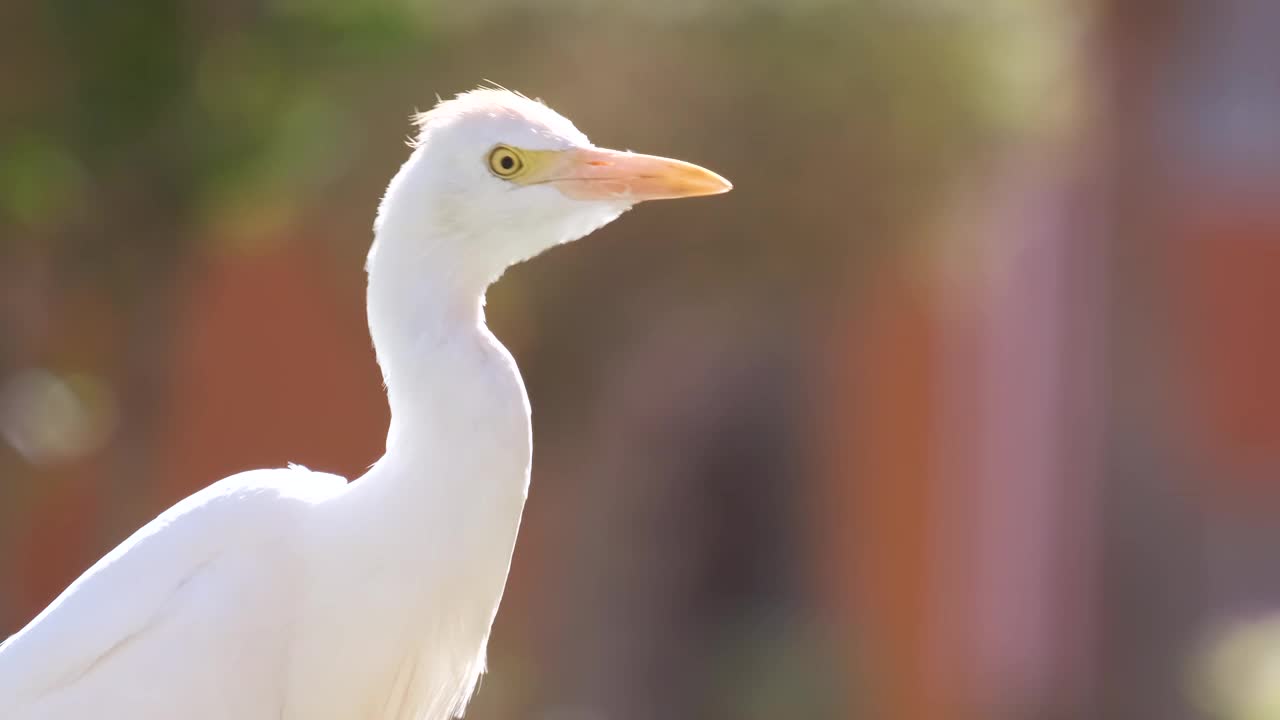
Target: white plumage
291	594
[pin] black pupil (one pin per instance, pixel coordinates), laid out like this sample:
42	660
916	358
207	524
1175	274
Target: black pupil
507	162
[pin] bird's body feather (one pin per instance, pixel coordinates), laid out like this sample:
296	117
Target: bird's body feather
175	588
292	595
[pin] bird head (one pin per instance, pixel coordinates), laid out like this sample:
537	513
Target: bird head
508	177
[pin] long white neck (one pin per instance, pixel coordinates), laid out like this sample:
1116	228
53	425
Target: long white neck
431	526
421	310
459	441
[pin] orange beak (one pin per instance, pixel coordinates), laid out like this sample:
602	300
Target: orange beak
600	174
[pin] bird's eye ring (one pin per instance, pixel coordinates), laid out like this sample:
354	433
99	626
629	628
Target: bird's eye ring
505	162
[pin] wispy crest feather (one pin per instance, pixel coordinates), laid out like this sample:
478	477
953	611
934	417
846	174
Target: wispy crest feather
492	99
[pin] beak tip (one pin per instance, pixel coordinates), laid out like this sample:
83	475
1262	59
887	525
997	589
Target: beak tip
718	184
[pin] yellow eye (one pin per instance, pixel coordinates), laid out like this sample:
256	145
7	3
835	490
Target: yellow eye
505	162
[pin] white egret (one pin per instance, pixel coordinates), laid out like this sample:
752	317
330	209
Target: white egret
291	594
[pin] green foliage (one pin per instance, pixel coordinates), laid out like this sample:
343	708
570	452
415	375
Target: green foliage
40	181
192	109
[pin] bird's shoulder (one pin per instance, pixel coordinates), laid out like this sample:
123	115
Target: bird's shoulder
247	494
119	596
238	510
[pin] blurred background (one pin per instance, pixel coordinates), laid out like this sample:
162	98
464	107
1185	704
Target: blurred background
963	405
